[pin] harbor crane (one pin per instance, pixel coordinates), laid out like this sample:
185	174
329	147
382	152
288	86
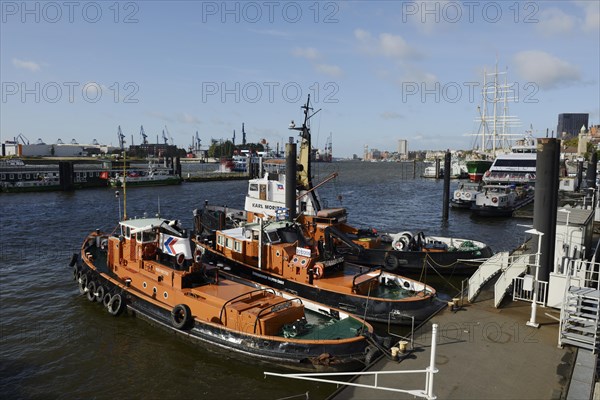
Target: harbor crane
121	138
22	139
165	138
168	136
143	135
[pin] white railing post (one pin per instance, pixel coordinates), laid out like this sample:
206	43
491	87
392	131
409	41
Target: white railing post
431	369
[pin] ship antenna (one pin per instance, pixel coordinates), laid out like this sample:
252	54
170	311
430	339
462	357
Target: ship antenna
124	186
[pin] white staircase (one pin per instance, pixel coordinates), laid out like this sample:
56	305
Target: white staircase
486	271
580	318
517	266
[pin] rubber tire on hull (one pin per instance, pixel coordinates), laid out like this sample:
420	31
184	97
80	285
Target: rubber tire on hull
91	291
100	291
181	316
76	272
106	299
116	305
83	282
390	262
371	354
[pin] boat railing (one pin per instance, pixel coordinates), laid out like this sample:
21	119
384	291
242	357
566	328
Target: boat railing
355	285
263	290
274	308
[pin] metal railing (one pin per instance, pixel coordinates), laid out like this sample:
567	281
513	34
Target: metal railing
426	393
520	293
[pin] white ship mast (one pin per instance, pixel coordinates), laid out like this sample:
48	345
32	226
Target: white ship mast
498	140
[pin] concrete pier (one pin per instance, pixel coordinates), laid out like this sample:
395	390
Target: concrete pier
482	353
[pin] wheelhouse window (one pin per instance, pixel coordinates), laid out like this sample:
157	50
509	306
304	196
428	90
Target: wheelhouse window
148	236
237	246
253	187
220	240
228	242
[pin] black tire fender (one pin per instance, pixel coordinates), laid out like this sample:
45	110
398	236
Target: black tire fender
100	291
91	290
116	305
181	316
390	261
83	282
106	299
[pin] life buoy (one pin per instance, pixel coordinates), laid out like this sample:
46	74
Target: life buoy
494	200
181	316
100	291
91	291
487	173
398	245
467	195
116	305
180	259
318	271
390	262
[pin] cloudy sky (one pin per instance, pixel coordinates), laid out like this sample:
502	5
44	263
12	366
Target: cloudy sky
379	71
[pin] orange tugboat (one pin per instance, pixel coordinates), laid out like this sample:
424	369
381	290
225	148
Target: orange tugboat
149	268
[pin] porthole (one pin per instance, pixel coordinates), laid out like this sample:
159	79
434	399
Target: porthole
154	290
277	253
303	261
145	285
165	295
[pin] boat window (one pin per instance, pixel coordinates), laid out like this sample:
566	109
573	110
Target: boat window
127	232
273	237
138	236
148	236
11	176
3	177
20	176
237	246
220	240
253	187
228	242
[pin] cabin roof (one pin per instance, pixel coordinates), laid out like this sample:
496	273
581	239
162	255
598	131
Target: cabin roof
145	224
577	216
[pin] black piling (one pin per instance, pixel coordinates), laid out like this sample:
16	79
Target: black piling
437	168
590	173
446	200
546	202
65	173
290	178
579	176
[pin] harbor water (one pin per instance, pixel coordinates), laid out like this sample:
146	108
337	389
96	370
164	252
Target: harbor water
55	344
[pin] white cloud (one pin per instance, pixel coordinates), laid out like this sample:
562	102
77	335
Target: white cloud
591	11
553	21
188	119
331	70
29	65
391	115
309	53
545	70
386	44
